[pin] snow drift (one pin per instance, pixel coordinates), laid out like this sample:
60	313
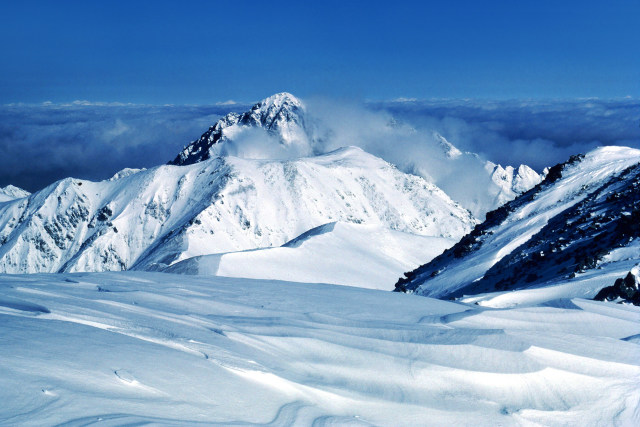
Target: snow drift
138	348
367	256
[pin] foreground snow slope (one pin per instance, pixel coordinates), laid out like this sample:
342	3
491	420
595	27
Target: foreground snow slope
149	219
585	215
133	347
367	256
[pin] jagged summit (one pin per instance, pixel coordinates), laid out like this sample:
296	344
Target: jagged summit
483	186
280	100
280	115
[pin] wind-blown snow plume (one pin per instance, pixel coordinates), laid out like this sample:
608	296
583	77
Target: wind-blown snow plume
477	184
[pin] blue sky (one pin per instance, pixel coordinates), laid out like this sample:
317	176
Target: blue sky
192	52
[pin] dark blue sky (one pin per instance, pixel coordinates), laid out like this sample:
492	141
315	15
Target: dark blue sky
192	52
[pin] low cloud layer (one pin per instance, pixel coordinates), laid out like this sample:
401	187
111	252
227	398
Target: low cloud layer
536	133
41	144
44	143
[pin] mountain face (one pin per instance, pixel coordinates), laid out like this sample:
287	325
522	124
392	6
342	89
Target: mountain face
149	219
281	115
282	127
583	216
11	192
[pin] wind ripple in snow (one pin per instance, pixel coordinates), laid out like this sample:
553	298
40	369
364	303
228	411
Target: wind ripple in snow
218	351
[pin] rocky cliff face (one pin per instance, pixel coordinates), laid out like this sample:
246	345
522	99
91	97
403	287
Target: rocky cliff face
626	290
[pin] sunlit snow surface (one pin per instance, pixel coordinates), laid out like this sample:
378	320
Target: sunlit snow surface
362	255
127	348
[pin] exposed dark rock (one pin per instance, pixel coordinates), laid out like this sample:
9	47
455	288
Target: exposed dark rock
474	240
104	214
266	114
626	289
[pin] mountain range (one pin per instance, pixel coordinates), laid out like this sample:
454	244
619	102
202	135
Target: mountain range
253	180
281	126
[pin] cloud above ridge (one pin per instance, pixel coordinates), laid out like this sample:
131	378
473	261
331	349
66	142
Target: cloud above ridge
43	143
40	144
536	133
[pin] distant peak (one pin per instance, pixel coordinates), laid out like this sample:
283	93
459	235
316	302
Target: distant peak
449	149
281	99
12	192
281	115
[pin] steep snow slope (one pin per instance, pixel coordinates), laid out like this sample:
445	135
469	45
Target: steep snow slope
282	127
367	256
585	211
11	192
152	218
137	348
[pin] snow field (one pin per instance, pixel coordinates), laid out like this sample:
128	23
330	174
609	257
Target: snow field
366	256
149	347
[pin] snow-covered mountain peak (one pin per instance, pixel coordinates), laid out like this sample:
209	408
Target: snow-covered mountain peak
280	116
513	181
282	127
125	173
524	179
11	192
279	101
276	113
611	153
